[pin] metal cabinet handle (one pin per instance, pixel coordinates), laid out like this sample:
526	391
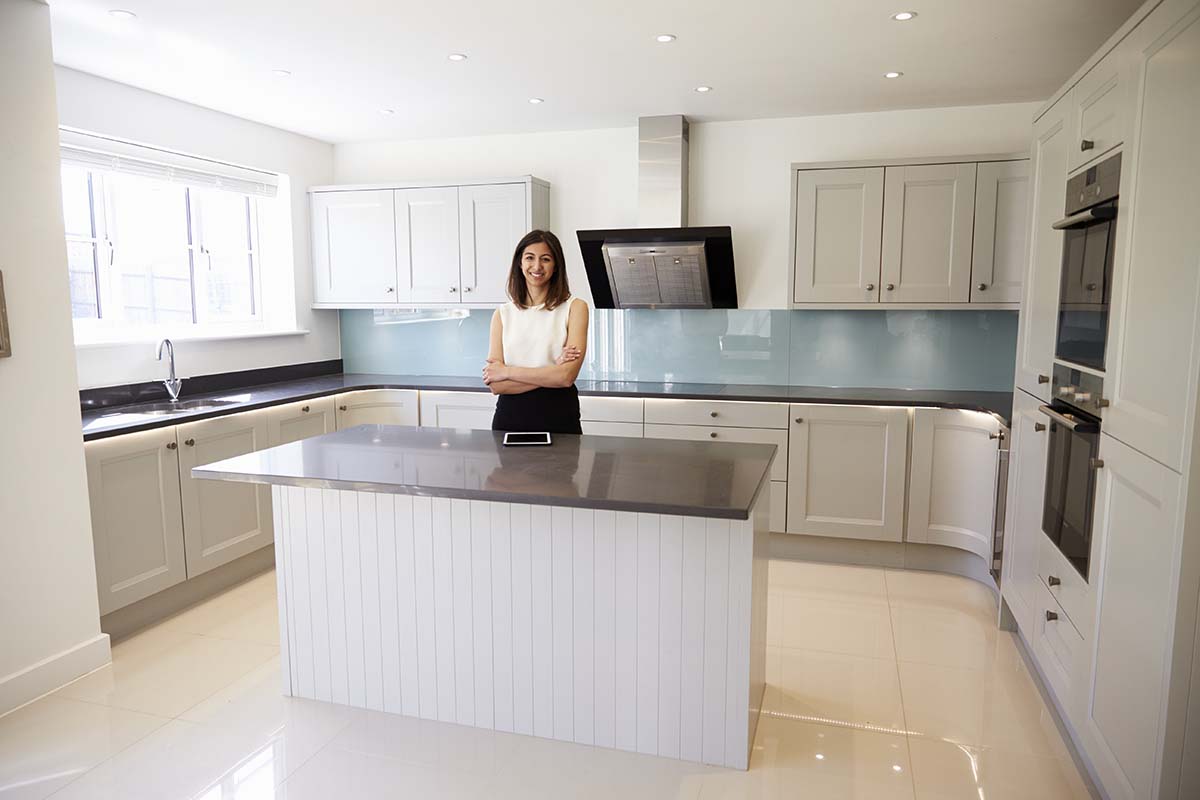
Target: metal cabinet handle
453	289
1096	463
998	435
982	287
190	442
713	435
1039	426
1053	581
1051	616
1087	144
391	289
712	414
891	287
870	287
1043	378
171	445
468	288
799	420
1091	287
341	408
305	409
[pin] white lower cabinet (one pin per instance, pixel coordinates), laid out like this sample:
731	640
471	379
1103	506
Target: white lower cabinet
292	422
137	522
377	407
704	433
594	427
1060	651
778	505
1023	515
222	520
611	416
469	410
846	471
952	479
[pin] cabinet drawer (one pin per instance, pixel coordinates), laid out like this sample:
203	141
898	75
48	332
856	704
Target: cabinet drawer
611	409
1099	111
705	433
1059	649
723	413
778	505
593	427
1070	590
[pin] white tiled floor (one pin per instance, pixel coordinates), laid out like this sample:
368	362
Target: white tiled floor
881	684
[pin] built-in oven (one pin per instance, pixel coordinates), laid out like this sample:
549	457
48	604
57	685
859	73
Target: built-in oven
1073	456
1087	264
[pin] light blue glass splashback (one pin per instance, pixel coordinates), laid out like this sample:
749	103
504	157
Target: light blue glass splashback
885	349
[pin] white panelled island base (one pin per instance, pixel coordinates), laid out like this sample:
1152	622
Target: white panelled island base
565	617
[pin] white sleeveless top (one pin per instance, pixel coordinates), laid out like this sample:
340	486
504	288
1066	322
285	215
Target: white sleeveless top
534	337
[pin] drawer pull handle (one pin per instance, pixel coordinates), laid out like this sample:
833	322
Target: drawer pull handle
999	435
190	442
305	409
1096	463
341	408
1051	616
870	287
713	435
891	287
1039	426
1053	581
982	287
712	414
1087	144
1043	378
171	445
799	420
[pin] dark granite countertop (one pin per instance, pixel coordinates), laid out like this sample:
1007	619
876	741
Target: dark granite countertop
112	421
699	479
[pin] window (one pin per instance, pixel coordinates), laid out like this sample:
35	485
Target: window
161	245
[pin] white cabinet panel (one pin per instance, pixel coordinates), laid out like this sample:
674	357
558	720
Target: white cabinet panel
699	433
1152	349
354	247
377	407
846	471
952	482
1060	651
1001	232
1099	118
427	244
222	520
601	428
1039	305
928	218
778	507
610	409
722	413
1023	516
838	214
492	219
1068	587
137	519
471	410
292	422
1138	531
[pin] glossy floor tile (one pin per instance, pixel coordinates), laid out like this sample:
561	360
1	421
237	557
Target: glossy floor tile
881	684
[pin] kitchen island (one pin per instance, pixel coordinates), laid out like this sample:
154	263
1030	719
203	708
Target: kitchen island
601	590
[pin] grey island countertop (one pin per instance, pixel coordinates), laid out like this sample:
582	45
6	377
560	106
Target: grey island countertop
702	479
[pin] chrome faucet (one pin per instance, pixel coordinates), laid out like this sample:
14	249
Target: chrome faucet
172	383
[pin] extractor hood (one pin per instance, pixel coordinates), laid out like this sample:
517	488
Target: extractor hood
671	266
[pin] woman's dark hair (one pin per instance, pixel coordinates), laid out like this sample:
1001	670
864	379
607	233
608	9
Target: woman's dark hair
558	291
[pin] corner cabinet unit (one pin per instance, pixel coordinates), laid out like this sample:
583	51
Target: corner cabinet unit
439	244
932	233
376	407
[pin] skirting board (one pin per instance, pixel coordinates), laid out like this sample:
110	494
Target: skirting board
50	673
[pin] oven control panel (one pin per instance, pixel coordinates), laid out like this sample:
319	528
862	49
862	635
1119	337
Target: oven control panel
1082	390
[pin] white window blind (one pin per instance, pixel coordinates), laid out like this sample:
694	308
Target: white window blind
112	155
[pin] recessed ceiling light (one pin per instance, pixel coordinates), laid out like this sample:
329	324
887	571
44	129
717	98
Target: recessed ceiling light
897	768
820	757
703	89
665	37
387	112
892	74
457	57
281	73
536	101
121	13
904	16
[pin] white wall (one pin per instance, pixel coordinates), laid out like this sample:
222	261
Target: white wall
101	106
738	172
49	618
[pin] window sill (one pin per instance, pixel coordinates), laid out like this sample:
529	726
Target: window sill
117	339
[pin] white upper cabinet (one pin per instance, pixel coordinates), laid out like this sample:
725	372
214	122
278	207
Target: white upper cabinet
1098	123
427	250
377	407
492	219
838	213
928	220
846	471
1039	306
427	245
952	479
1152	349
1001	231
354	247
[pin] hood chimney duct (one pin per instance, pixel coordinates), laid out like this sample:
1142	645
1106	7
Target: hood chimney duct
663	171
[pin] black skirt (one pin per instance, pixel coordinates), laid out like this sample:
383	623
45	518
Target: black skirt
542	409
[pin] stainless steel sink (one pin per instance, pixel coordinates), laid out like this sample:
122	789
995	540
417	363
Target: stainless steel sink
175	407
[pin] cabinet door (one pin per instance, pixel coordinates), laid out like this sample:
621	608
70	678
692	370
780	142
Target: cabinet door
492	219
1138	530
846	471
927	227
222	520
377	407
952	481
295	421
1038	322
137	522
1023	518
470	410
1099	119
1153	336
593	427
426	228
837	234
354	247
1001	232
702	433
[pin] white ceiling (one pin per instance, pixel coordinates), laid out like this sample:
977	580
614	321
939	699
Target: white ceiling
595	63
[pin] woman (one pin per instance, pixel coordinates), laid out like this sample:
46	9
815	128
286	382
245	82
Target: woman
538	340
